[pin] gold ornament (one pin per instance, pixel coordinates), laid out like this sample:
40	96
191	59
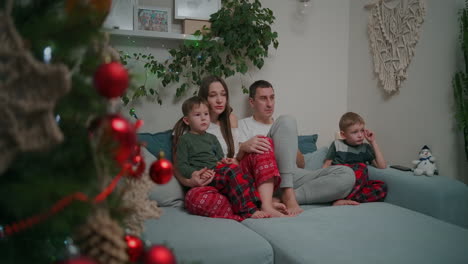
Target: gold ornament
29	90
102	239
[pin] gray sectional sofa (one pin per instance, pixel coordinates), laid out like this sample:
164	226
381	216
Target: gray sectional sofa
422	220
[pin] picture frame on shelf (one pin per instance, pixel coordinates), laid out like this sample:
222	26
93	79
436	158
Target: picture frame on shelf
196	9
152	18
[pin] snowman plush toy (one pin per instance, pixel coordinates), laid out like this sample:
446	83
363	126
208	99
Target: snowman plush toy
425	164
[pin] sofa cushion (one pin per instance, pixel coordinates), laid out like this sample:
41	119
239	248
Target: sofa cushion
169	194
371	232
437	196
198	239
307	143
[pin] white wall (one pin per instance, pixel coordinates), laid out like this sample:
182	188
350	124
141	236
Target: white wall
309	70
422	112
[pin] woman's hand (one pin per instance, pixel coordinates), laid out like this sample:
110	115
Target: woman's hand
201	177
258	144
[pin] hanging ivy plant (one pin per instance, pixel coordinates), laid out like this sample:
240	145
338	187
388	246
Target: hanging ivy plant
239	39
460	80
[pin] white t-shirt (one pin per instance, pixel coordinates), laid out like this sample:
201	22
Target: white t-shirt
249	127
216	130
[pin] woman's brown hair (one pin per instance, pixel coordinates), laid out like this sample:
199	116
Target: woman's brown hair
224	121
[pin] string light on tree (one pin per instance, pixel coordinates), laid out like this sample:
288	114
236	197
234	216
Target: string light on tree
132	113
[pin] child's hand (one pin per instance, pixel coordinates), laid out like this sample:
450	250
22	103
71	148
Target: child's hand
202	177
208	174
369	135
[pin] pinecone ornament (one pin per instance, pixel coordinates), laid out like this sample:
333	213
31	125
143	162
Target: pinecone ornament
137	202
102	239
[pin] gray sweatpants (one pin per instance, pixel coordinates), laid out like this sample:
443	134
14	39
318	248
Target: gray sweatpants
319	186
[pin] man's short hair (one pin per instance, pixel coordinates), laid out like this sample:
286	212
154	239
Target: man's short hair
349	119
258	84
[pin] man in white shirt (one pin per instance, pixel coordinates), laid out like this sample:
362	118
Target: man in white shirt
298	186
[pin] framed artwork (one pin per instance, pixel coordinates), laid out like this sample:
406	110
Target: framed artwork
196	9
151	18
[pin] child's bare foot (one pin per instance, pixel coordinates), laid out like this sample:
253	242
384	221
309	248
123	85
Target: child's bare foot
345	202
260	214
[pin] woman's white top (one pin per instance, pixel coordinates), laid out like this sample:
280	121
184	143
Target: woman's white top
216	130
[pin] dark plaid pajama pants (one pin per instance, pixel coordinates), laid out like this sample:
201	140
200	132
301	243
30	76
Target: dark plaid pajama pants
365	190
238	187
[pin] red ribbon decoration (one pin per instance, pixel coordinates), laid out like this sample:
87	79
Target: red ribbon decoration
59	206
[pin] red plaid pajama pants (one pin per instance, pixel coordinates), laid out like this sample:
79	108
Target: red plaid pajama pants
262	167
365	190
236	186
209	201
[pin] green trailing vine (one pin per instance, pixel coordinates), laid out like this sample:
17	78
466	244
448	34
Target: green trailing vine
239	39
460	80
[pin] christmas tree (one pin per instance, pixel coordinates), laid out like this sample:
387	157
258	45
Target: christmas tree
71	167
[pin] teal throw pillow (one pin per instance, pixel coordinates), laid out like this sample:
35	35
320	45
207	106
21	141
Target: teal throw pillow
157	142
307	143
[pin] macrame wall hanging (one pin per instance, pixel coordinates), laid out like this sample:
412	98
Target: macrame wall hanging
394	27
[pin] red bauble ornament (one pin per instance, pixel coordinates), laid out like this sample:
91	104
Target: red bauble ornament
101	6
159	255
161	171
135	248
78	260
118	133
111	80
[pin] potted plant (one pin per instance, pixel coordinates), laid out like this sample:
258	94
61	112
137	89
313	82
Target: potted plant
460	80
239	39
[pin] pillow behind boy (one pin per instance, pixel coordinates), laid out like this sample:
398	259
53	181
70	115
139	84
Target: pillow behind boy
157	142
170	194
307	143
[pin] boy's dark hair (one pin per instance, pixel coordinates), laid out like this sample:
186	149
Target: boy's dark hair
349	119
258	84
188	104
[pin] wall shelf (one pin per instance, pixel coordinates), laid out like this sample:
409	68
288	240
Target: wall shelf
150	34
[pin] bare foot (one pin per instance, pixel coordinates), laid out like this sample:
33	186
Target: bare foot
281	207
294	211
260	214
289	199
272	211
345	202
